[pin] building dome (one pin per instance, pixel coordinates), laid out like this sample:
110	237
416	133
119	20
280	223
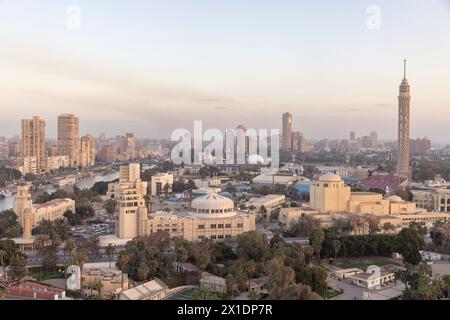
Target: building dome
395	199
330	177
212	204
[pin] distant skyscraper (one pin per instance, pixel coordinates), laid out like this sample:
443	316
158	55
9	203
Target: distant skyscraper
286	138
404	100
373	139
352	136
33	141
69	138
87	151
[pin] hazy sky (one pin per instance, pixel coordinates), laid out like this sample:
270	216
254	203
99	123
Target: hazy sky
149	67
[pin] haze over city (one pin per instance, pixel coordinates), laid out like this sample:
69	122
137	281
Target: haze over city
227	63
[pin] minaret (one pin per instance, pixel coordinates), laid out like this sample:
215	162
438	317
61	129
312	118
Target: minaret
404	99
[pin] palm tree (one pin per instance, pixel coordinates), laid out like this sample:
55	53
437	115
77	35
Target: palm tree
123	261
143	272
80	259
250	269
68	248
110	250
337	247
2	255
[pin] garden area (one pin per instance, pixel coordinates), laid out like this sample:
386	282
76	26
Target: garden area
365	262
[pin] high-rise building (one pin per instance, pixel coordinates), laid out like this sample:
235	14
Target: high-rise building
130	146
33	141
4	151
404	99
87	151
420	146
286	144
373	139
69	138
352	136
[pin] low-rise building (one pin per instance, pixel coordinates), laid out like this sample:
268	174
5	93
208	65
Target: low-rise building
110	280
152	290
213	283
269	202
34	291
161	184
269	182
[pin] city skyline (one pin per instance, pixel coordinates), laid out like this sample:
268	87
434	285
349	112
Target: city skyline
332	72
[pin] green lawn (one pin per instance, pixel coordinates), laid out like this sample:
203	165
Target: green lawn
42	275
332	293
363	263
186	295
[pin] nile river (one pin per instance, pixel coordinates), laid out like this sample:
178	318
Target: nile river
87	183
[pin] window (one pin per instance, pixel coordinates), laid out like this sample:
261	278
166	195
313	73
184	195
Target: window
213	226
220	226
213	237
220	236
240	225
228	226
201	226
201	237
228	236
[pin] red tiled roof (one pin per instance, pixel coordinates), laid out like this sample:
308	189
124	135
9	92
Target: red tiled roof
381	182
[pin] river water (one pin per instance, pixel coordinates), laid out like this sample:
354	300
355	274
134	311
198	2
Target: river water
87	183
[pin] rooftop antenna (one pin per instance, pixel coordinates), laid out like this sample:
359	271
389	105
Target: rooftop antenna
404	69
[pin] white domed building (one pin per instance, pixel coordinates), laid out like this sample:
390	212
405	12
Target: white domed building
211	217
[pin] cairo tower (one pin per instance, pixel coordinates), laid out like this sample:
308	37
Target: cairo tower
404	100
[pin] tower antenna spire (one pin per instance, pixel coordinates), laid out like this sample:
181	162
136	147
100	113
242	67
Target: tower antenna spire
404	69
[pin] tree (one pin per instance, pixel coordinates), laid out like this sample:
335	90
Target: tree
2	263
143	271
18	265
110	250
316	240
123	261
374	225
80	259
252	245
410	242
305	226
68	249
47	248
9	225
110	206
94	244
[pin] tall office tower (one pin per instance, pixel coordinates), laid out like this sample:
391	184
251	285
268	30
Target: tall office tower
373	139
4	151
130	195
69	138
352	136
33	141
87	151
287	132
404	99
130	146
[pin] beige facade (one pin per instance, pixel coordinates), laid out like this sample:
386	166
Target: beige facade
210	217
331	199
69	138
54	163
329	194
50	211
28	165
33	141
87	151
161	182
111	281
437	199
